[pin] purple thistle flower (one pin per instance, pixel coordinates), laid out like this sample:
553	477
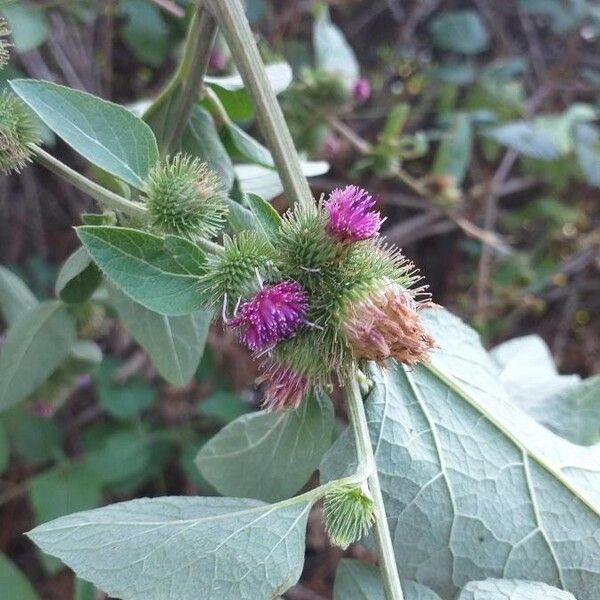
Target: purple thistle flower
285	388
361	91
273	314
350	216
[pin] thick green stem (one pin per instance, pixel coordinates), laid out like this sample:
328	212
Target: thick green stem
236	29
104	197
170	112
383	539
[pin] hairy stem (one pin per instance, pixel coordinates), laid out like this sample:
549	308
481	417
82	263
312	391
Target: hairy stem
236	29
170	112
383	539
104	197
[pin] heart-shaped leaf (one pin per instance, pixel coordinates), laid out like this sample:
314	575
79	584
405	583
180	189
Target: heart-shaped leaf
107	134
178	548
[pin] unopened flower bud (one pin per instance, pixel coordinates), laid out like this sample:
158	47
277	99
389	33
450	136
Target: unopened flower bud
183	198
385	324
285	387
17	131
348	514
361	90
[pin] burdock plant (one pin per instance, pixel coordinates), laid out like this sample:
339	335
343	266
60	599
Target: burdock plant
432	466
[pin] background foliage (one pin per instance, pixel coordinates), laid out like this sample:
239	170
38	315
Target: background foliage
480	139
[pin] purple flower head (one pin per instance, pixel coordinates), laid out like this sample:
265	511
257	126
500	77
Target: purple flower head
361	91
273	314
350	216
285	388
217	60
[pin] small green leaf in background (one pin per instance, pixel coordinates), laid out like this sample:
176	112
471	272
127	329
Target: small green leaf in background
175	344
268	219
34	439
268	456
84	590
136	262
201	139
223	405
181	548
332	51
523	137
13	583
587	150
119	456
454	153
4	449
235	99
242	146
506	589
264	182
35	345
145	31
60	491
563	403
107	134
78	278
122	399
28	25
459	31
356	580
15	297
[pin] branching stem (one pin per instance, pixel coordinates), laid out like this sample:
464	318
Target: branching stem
104	197
240	39
364	450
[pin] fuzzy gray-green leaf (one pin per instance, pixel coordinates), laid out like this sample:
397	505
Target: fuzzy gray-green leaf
182	548
139	264
268	456
508	589
107	134
175	344
35	345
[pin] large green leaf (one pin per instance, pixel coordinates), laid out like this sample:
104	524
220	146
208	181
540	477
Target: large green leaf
15	297
587	150
145	31
142	267
268	456
474	488
355	580
108	135
506	589
563	403
35	345
28	25
175	344
14	585
178	548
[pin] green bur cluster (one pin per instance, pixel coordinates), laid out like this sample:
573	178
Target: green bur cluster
17	132
4	44
333	273
184	198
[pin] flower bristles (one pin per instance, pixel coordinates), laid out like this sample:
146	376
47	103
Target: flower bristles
348	514
273	314
17	132
4	44
285	387
321	295
184	198
350	218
